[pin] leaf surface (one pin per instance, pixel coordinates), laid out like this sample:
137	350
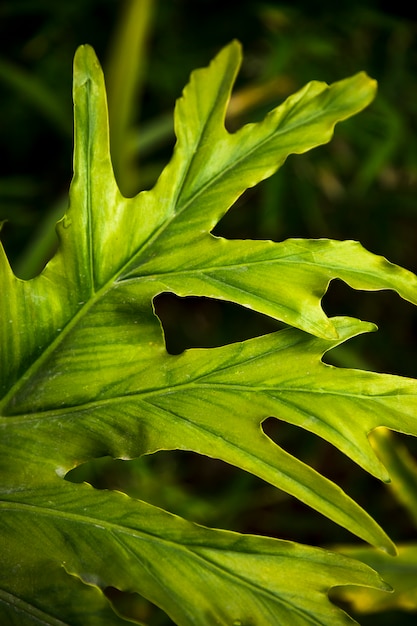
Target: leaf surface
85	372
198	575
400	572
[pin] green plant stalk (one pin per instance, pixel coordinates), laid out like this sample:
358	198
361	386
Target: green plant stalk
124	76
37	93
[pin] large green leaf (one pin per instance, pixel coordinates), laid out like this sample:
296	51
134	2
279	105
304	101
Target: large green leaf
85	373
198	575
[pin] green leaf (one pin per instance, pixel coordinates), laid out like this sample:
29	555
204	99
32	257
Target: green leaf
125	75
400	572
198	575
402	468
85	373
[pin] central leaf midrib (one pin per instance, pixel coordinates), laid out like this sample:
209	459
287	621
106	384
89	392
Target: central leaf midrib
145	396
89	200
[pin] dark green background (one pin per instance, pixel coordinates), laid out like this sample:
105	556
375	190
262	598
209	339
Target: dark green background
362	186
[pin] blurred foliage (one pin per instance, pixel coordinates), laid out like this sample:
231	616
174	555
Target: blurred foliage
362	186
399	572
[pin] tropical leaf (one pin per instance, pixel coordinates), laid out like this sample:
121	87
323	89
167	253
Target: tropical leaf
400	572
85	374
402	467
198	575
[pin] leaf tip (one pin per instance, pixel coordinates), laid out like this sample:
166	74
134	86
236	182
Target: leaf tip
86	64
236	46
365	86
390	548
232	54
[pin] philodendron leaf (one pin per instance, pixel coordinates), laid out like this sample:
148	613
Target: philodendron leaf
198	575
400	572
402	467
85	374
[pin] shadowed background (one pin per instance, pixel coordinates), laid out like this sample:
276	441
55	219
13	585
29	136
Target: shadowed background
362	186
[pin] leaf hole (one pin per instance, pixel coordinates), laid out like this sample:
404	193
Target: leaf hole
205	491
374	351
213	493
202	489
135	607
311	449
101	473
198	322
373	495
